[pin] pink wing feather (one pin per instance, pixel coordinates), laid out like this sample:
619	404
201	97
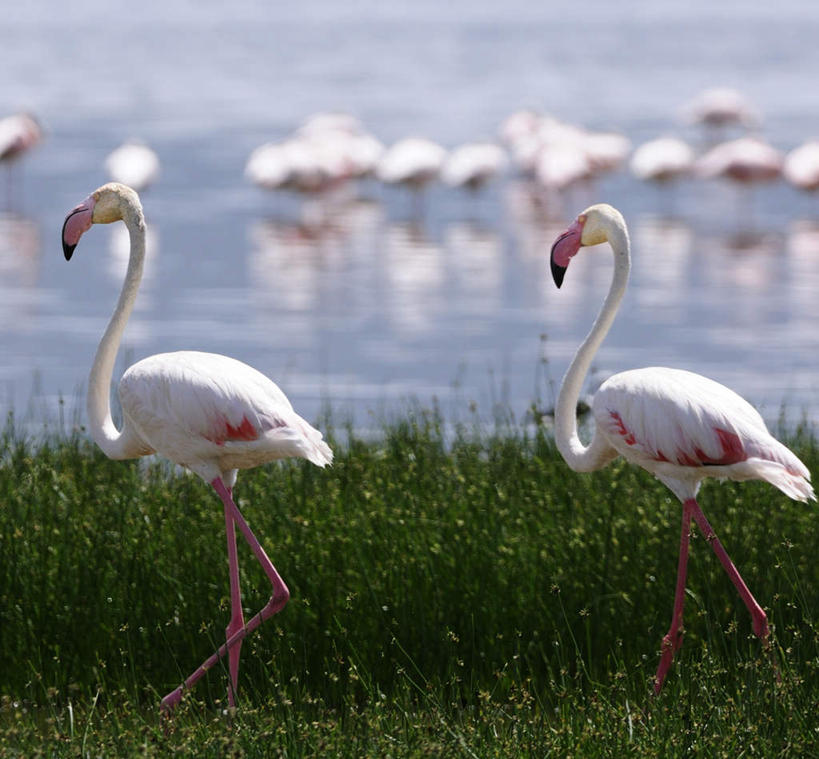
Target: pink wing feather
188	399
670	416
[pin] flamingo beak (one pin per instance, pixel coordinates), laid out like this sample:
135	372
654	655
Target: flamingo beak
563	249
76	223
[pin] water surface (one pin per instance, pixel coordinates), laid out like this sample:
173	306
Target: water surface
377	305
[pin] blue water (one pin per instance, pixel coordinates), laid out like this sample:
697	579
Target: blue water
378	308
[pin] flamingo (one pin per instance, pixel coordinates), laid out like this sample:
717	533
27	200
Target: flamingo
473	165
801	167
720	107
204	411
681	427
662	160
18	133
413	161
134	164
746	160
519	125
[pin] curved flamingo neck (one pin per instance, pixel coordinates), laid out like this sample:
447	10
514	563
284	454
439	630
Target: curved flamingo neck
117	444
578	456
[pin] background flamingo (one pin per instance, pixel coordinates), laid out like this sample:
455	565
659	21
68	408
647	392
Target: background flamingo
662	160
204	411
680	426
134	164
801	167
473	165
745	161
720	107
413	161
18	133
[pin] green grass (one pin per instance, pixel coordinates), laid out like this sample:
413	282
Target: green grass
473	598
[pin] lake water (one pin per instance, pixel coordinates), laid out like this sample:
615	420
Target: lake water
378	306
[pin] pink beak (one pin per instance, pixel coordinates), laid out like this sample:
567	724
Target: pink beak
76	223
564	248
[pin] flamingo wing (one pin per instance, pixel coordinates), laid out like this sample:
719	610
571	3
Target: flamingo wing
187	402
670	420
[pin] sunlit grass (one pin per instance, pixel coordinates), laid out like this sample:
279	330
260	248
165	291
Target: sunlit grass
467	597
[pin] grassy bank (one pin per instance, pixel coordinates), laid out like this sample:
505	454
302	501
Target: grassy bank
475	598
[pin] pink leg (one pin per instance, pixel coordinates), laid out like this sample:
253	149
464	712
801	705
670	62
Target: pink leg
759	618
278	599
673	640
237	619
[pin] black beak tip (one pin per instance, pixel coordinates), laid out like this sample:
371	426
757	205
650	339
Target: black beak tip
558	272
68	250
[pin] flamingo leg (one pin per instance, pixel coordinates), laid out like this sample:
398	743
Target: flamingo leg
673	639
278	599
757	614
237	619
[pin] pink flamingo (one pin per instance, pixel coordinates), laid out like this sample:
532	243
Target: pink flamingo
720	107
207	412
680	426
18	133
745	160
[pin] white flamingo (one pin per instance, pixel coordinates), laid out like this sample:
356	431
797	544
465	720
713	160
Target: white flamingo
801	167
204	411
662	160
134	164
473	165
720	107
746	161
18	134
413	161
679	426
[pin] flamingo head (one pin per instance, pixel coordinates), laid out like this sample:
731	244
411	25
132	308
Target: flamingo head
592	227
103	206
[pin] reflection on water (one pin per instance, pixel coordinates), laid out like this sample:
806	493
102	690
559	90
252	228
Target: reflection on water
19	250
284	263
416	278
666	247
802	268
475	259
19	270
360	309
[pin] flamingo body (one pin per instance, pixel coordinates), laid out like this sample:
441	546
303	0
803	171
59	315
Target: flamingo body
720	107
562	165
473	165
684	427
413	161
801	167
680	426
134	164
213	414
746	160
662	160
18	134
